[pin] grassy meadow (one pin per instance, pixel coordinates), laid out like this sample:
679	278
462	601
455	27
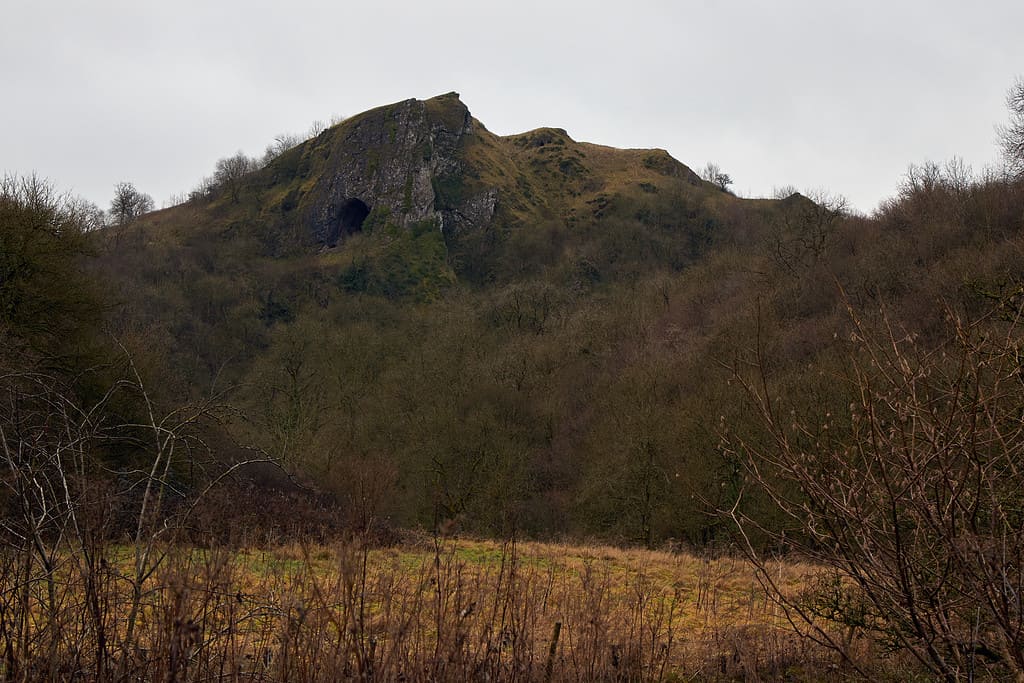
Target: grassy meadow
428	608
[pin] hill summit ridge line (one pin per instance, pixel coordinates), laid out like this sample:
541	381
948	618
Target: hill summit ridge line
429	161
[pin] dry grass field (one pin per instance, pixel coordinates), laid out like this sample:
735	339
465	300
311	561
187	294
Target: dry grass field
427	609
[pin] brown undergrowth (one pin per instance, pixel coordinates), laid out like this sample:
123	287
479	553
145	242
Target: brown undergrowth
427	609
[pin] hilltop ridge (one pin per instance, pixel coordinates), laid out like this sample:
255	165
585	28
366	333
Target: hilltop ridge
428	165
424	167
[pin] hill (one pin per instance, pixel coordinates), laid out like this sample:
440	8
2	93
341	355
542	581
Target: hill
416	163
430	322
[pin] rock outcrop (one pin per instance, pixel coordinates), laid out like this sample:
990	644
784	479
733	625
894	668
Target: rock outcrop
398	164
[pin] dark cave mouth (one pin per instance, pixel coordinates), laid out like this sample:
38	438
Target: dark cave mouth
351	217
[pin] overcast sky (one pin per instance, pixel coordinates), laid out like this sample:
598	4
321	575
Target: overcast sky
834	95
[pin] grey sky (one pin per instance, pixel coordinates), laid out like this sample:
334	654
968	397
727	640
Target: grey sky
835	95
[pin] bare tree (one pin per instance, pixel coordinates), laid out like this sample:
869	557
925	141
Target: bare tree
714	174
912	498
128	204
281	144
202	191
784	192
315	128
63	502
89	215
1011	134
231	171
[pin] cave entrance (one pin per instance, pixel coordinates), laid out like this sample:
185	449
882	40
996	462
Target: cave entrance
351	216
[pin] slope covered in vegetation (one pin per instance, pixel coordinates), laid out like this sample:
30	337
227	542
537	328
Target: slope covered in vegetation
558	368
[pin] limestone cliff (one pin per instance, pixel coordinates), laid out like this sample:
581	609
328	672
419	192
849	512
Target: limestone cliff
400	163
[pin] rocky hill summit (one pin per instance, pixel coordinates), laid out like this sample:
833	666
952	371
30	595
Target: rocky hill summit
394	162
408	198
430	161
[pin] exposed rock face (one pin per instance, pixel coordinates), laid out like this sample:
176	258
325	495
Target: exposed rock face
400	164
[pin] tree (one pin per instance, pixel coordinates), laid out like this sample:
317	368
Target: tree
45	299
281	144
88	215
784	192
315	128
913	498
231	171
203	191
713	174
128	204
629	489
1011	135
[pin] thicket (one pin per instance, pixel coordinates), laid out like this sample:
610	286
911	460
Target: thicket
907	484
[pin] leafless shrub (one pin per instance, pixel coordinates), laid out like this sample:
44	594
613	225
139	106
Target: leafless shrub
802	228
67	609
913	496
